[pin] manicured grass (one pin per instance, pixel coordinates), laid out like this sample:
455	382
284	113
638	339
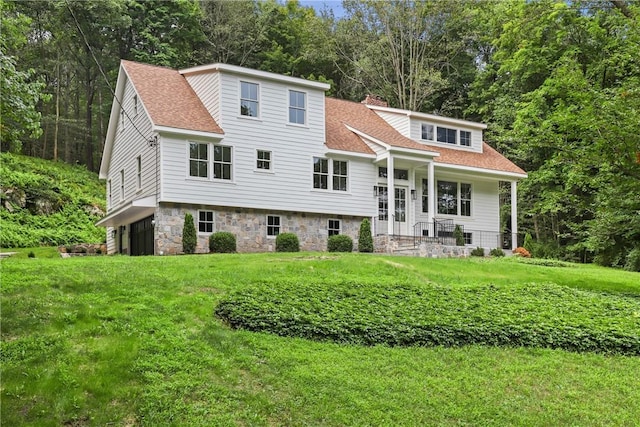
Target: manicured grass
133	341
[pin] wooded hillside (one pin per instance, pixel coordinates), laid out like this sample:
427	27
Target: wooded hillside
558	84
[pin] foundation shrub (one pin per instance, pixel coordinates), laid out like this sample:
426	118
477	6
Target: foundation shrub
287	242
340	243
365	240
477	251
633	260
497	252
189	238
458	235
533	315
222	242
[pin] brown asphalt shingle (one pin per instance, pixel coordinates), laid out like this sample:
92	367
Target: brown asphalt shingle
169	99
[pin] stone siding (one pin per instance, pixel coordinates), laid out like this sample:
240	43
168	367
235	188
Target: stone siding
250	228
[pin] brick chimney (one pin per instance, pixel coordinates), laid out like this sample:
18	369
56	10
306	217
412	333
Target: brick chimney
375	100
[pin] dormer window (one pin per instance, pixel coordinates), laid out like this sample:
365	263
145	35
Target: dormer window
447	135
427	132
465	138
249	99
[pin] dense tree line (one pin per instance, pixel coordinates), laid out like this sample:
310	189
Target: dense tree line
557	82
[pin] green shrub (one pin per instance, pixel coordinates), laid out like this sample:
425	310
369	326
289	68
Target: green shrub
633	260
340	243
31	254
497	252
528	242
365	240
222	242
287	242
459	236
189	238
534	315
477	251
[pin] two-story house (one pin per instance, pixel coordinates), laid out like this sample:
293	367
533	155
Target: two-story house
258	154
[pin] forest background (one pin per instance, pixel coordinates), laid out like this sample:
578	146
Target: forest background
557	83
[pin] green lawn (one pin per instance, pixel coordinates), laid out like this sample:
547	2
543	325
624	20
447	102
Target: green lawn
134	341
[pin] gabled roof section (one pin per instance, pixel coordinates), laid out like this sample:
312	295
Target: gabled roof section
168	98
342	115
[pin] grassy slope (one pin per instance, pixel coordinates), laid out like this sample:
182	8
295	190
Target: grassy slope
74	195
132	341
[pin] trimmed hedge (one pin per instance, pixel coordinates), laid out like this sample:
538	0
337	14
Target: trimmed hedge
548	316
287	242
222	242
340	243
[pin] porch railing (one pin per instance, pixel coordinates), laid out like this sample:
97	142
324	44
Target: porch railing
443	232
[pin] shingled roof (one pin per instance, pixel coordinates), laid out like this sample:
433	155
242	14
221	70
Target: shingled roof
339	114
168	98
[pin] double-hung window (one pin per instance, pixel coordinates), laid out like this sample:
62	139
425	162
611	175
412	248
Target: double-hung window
249	102
333	227
425	195
320	173
139	172
340	175
465	138
205	221
221	162
199	159
122	186
273	225
297	107
338	169
454	198
263	160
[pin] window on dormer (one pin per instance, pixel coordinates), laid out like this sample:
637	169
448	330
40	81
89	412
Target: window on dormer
297	107
249	99
465	138
447	135
427	132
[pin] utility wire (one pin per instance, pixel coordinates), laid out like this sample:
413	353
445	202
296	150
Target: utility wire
115	97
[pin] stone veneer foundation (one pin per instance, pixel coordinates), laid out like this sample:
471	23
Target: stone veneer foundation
250	228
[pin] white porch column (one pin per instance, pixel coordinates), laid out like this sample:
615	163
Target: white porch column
391	196
432	191
412	204
514	215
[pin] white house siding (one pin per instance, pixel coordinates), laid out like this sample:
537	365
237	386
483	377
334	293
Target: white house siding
485	210
130	143
207	87
289	187
416	133
399	121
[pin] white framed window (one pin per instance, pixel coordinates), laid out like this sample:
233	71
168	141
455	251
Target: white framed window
199	159
263	160
397	173
110	194
297	107
465	138
139	172
122	185
340	175
121	119
135	105
205	221
465	199
454	198
468	238
249	99
273	225
333	227
222	162
320	173
447	135
427	132
425	195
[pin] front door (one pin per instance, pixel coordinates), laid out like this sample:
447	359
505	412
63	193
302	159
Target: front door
399	216
141	235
